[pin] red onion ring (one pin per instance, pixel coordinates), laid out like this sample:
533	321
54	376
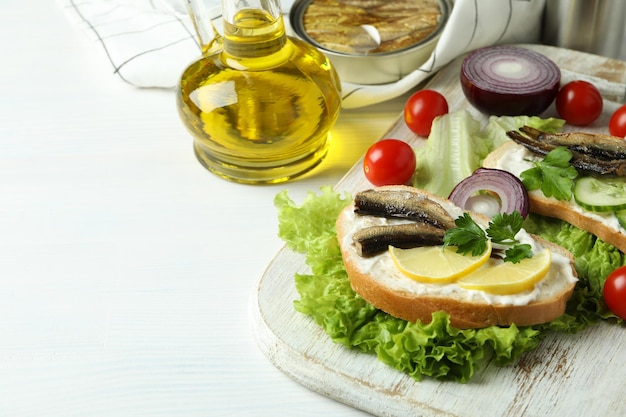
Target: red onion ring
509	81
510	190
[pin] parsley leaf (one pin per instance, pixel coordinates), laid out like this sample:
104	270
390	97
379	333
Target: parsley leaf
554	175
516	253
502	229
504	226
467	236
470	238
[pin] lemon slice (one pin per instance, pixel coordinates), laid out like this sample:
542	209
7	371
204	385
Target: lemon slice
507	277
436	263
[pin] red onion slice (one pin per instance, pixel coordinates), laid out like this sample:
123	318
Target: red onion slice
509	80
510	190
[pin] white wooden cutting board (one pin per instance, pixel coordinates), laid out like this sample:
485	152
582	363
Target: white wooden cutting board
568	375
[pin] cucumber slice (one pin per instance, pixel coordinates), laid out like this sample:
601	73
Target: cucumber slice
601	194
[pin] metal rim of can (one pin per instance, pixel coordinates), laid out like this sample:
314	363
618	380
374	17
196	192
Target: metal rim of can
296	19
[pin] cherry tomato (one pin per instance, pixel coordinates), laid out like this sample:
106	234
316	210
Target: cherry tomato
421	109
614	292
389	162
579	103
617	124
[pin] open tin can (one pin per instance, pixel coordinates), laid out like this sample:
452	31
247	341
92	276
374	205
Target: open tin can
371	41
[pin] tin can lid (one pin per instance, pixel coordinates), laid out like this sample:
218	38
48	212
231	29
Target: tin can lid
367	27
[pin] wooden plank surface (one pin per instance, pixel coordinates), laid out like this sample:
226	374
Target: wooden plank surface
567	375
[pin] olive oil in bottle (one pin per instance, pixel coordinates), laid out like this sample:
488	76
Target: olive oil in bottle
259	104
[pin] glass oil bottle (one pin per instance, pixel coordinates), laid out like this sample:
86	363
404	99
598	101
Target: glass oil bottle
258	103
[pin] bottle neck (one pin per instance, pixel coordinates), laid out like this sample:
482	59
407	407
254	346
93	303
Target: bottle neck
253	28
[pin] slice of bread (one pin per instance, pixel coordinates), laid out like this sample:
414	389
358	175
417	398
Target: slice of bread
378	281
568	211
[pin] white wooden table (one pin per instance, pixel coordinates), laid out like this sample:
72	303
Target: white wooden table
126	269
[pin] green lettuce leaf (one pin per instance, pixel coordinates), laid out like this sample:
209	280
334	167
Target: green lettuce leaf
435	350
494	133
457	146
310	228
450	154
594	261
